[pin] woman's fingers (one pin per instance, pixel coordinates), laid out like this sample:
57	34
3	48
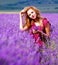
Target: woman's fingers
38	31
34	31
22	11
42	33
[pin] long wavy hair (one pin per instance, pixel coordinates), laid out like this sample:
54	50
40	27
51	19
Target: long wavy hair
28	20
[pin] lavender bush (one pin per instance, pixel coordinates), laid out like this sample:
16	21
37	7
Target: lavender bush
18	48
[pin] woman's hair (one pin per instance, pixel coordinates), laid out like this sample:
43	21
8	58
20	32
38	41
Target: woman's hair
29	21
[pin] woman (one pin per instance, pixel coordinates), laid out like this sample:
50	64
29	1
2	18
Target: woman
39	27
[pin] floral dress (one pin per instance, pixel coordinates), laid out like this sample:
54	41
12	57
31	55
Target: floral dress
36	36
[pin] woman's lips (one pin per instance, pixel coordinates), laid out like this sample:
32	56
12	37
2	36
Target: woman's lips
32	16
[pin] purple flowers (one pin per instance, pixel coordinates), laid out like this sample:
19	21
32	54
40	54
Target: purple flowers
18	48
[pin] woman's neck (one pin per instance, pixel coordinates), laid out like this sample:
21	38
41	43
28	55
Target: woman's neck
36	20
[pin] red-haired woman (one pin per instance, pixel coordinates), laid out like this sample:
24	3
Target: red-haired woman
38	26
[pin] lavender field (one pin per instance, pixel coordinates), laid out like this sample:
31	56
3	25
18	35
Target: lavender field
18	48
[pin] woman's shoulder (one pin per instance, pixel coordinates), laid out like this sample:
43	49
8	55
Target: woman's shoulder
45	21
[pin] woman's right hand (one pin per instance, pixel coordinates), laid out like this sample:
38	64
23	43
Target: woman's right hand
22	12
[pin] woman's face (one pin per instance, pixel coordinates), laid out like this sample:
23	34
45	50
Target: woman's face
31	13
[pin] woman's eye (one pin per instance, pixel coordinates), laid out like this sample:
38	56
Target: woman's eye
31	12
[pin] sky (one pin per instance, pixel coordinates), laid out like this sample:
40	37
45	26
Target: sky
44	5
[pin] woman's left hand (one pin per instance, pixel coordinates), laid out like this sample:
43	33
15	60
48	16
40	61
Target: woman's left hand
34	31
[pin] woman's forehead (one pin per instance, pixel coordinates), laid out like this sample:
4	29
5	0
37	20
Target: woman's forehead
30	10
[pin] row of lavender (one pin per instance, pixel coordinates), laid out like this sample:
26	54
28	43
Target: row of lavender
18	48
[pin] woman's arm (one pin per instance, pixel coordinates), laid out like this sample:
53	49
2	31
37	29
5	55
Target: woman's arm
47	29
21	24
